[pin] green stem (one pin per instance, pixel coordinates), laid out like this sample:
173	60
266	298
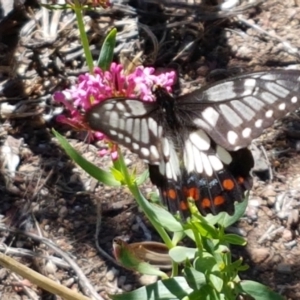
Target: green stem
143	203
84	40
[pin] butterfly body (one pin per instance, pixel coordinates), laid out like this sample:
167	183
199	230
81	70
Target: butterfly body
196	144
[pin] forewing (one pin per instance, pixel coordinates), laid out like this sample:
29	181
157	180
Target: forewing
131	123
235	111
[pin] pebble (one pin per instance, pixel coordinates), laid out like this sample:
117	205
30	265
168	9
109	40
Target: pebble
268	192
293	218
147	279
287	235
127	287
63	211
258	255
111	274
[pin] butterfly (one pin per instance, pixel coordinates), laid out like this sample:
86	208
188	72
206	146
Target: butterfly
196	144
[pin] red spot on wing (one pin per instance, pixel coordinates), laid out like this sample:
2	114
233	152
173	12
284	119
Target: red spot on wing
171	193
228	184
205	203
219	200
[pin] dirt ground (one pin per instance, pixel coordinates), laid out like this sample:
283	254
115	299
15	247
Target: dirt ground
42	189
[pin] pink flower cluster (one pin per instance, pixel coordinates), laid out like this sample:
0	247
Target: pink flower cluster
94	88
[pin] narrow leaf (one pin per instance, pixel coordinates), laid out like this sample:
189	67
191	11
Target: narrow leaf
107	50
105	177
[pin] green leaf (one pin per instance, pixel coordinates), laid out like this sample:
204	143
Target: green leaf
180	253
105	177
169	289
259	291
216	281
195	279
205	263
142	178
165	218
235	239
205	229
107	50
226	220
117	174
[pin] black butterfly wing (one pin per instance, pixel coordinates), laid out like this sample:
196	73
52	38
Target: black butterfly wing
197	148
130	123
235	111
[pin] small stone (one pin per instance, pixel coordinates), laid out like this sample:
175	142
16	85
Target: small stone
268	192
127	287
111	274
271	201
258	255
63	211
68	282
147	279
284	268
287	235
293	218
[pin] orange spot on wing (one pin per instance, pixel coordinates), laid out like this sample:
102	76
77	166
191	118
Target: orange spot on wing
240	180
172	194
183	206
193	193
228	184
219	200
205	203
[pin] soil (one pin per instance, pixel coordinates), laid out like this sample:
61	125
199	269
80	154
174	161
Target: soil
44	193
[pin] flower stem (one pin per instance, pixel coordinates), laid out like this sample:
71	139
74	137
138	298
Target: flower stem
84	40
143	203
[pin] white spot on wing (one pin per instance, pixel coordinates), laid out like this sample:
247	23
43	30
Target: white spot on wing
250	82
166	147
254	102
135	146
232	137
246	112
121	124
188	156
154	152
258	123
246	132
231	116
215	163
294	99
144	131
268	97
206	164
224	155
113	119
113	132
269	113
277	89
200	139
196	159
282	106
120	106
136	132
220	92
152	125
210	115
145	152
129	125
